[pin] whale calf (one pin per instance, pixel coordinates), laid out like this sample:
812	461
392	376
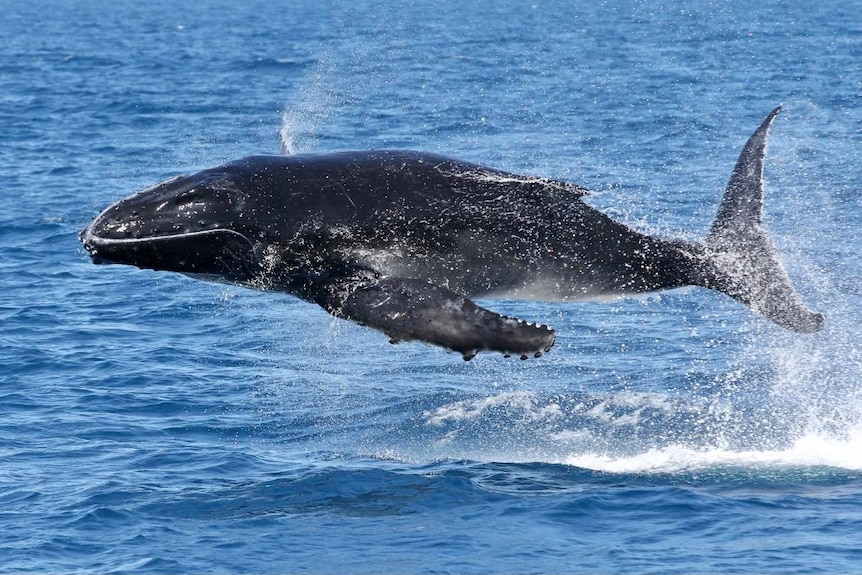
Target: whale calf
401	241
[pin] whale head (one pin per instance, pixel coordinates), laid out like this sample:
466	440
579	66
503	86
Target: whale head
190	224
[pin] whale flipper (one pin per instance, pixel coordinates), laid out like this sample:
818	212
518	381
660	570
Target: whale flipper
410	309
742	261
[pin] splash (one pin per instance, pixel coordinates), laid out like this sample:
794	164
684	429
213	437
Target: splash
812	450
525	402
310	109
638	432
339	94
783	400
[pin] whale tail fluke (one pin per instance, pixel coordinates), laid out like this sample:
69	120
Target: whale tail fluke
740	258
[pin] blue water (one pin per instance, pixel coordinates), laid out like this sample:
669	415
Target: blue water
153	423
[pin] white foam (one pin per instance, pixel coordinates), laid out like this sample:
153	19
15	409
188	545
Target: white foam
523	401
812	450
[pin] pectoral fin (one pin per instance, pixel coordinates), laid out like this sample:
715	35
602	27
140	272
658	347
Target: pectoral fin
407	310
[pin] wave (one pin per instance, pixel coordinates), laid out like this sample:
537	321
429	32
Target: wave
808	451
640	432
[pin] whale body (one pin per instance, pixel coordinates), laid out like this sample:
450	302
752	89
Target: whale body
402	241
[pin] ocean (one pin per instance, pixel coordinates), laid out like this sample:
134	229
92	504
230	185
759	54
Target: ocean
153	423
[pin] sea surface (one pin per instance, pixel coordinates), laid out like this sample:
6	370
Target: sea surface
152	423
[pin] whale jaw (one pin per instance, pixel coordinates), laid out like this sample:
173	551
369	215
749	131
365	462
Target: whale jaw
222	253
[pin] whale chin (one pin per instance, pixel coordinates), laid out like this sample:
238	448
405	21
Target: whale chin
220	252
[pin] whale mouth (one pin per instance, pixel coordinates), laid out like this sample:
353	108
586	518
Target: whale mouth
219	252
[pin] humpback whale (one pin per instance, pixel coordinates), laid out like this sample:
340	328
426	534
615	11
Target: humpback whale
402	241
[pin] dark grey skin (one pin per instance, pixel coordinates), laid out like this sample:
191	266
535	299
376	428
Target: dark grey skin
399	241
